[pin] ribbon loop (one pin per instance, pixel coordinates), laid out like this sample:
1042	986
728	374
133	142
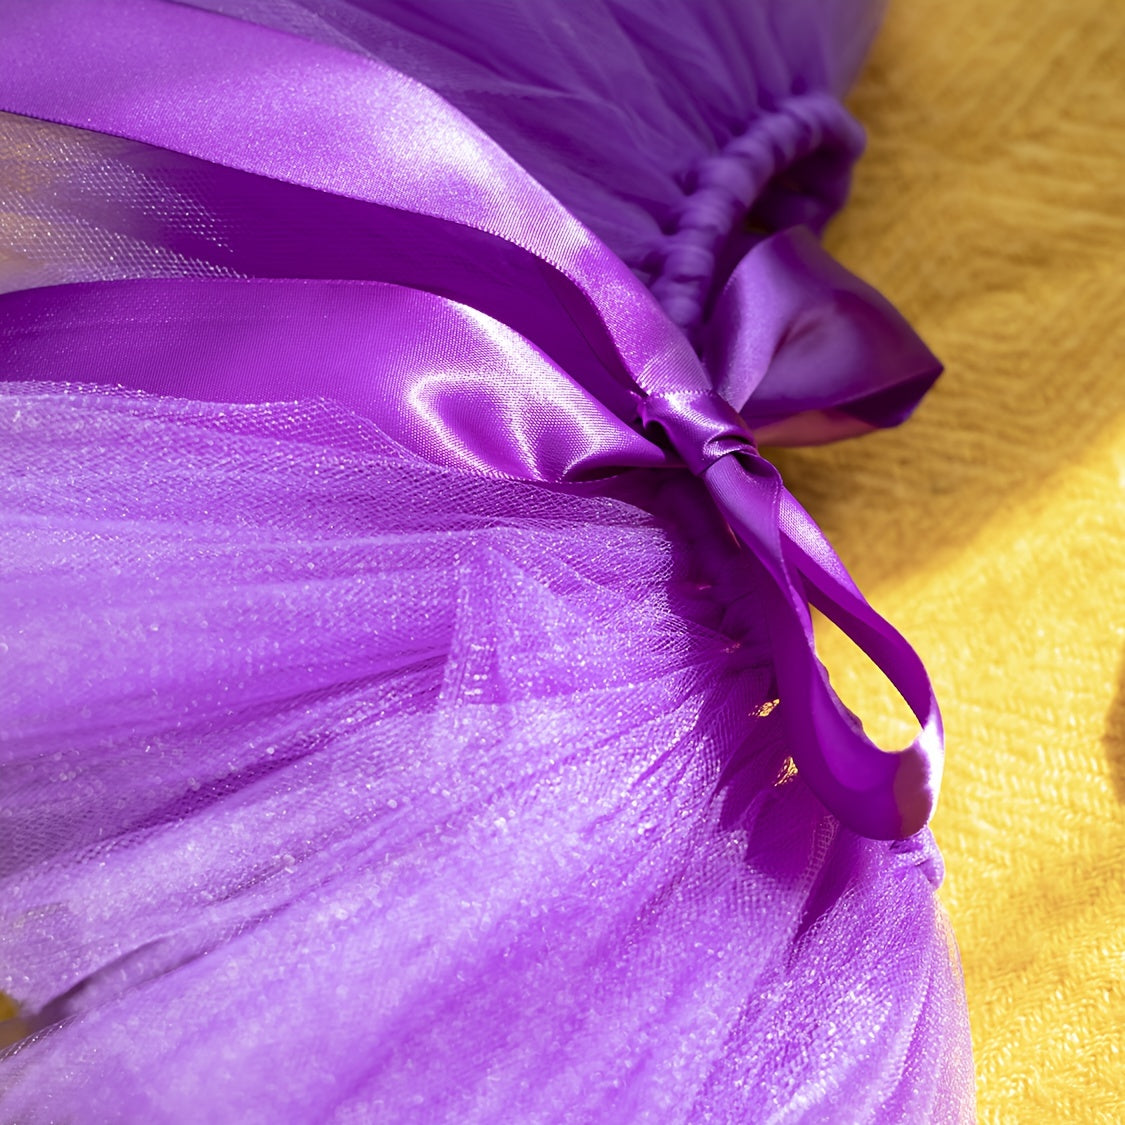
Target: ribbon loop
878	793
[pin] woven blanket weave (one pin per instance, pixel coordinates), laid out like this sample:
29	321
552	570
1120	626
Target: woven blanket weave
991	208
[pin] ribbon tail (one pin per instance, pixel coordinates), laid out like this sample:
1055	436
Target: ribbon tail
877	793
807	351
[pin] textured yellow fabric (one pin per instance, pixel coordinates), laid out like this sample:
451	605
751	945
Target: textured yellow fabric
991	528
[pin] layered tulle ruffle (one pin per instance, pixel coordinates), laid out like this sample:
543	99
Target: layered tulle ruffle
342	787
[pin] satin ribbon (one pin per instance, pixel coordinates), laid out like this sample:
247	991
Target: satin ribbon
556	347
801	346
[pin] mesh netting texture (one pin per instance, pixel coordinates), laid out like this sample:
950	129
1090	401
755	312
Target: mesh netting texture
450	789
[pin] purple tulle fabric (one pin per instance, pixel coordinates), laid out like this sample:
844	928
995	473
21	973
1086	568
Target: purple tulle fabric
408	711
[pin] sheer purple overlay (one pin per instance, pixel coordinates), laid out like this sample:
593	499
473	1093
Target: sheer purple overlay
411	708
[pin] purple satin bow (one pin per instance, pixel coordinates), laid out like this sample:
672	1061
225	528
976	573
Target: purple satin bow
520	345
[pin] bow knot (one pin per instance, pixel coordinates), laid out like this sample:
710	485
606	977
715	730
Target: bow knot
700	425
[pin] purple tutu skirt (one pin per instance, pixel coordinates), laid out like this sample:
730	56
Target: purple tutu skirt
408	710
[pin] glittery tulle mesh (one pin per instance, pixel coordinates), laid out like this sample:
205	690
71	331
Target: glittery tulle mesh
340	787
82	206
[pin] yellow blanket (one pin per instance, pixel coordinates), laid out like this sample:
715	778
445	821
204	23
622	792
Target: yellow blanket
991	528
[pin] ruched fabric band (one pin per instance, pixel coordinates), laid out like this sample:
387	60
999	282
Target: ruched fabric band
728	184
293	131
